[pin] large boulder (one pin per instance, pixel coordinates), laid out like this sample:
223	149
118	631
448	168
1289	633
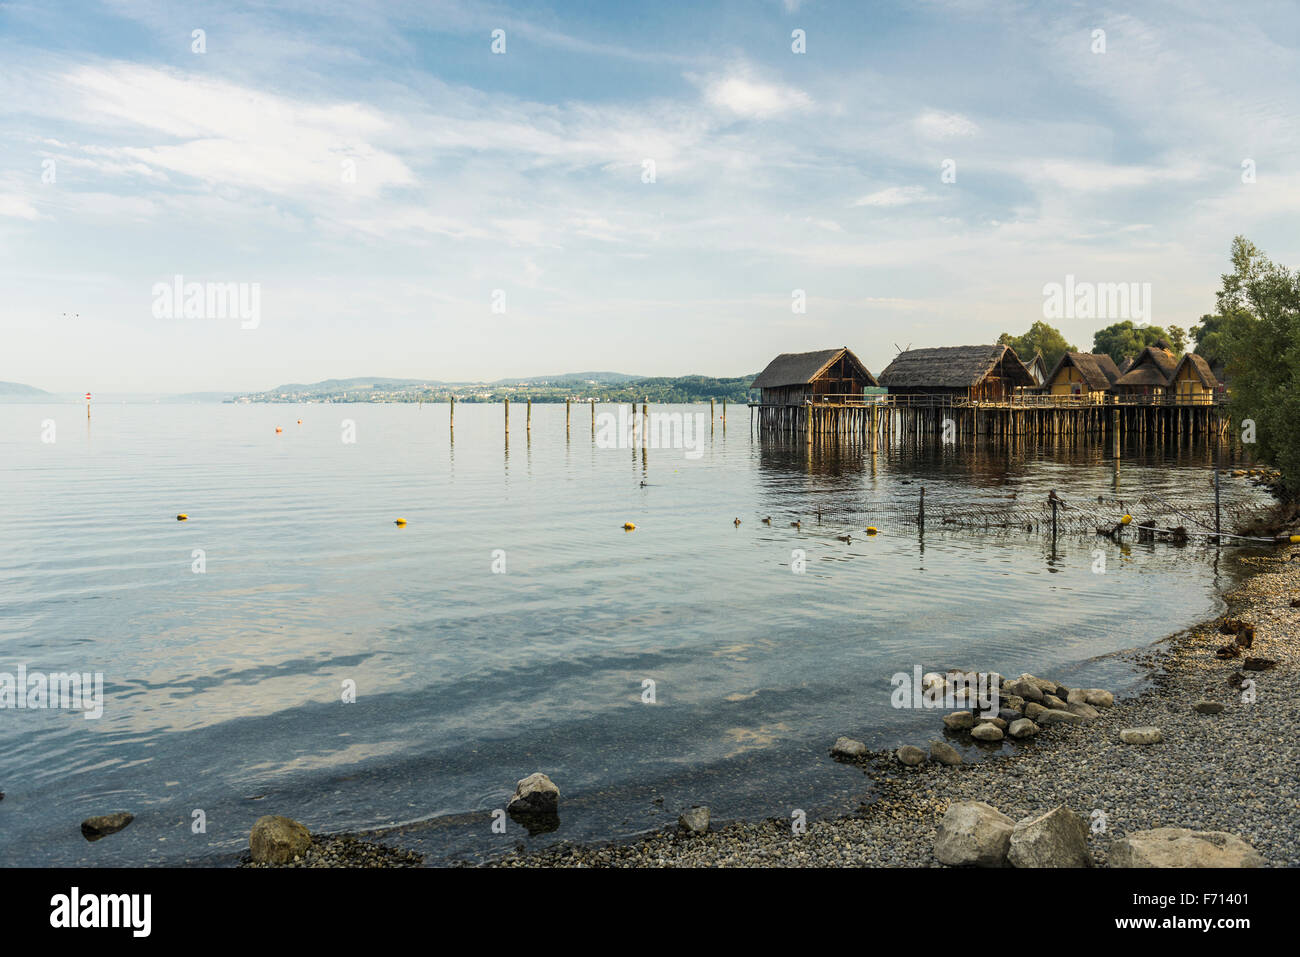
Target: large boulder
1181	847
277	840
535	796
973	833
1060	717
987	731
1058	838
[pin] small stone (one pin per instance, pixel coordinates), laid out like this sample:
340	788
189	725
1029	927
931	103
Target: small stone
1146	735
1077	696
988	731
694	820
995	720
910	755
1010	714
1023	728
848	748
1053	702
93	828
277	840
1033	710
1207	707
973	833
1058	838
1083	710
1181	847
944	753
959	721
1259	664
1013	701
1060	717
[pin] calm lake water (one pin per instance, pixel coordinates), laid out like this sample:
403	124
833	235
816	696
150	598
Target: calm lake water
223	689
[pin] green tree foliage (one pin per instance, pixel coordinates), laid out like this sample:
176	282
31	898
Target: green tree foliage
1209	335
1124	340
1260	308
1040	338
1177	337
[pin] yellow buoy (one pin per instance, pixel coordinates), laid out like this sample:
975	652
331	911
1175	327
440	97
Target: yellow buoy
628	526
872	530
1125	520
400	521
182	517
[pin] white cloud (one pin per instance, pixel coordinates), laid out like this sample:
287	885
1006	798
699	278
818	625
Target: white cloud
742	94
934	125
17	207
895	196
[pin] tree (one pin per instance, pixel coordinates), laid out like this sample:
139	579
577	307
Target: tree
1123	340
1209	334
1259	309
1040	338
1177	337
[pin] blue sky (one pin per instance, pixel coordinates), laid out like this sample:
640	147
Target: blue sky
523	172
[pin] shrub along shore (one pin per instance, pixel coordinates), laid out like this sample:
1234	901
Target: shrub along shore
1225	769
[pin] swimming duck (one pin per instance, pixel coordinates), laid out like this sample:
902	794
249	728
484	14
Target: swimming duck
796	524
738	523
768	520
845	538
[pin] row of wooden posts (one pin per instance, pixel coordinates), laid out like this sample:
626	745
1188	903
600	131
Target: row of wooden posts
568	414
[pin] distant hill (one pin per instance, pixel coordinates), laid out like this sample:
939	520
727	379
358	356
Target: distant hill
17	392
360	383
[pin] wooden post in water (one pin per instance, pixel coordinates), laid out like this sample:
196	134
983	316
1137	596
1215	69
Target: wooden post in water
528	417
710	416
645	423
921	515
507	416
593	418
1218	446
453	413
567	413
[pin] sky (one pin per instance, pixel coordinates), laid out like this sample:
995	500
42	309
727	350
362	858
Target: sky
650	188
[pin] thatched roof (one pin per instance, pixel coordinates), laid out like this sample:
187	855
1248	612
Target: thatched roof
1153	366
801	368
1200	368
953	367
1097	369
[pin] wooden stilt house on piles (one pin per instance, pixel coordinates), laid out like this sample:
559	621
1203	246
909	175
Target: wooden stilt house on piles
1084	374
957	374
829	376
1150	374
1193	381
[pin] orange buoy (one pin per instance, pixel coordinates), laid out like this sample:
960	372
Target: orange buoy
300	421
278	430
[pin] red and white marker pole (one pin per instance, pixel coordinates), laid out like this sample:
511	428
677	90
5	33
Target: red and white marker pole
87	405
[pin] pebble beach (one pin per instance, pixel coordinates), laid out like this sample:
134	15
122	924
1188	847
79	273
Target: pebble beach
1232	771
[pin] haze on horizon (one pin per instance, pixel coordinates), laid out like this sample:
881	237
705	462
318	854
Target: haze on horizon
525	172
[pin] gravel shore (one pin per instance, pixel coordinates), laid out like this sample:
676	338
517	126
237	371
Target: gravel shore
1234	771
346	851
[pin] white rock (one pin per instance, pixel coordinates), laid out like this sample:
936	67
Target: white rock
1181	847
1058	838
1141	736
973	833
